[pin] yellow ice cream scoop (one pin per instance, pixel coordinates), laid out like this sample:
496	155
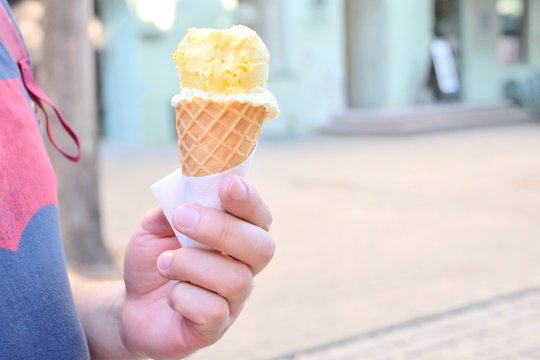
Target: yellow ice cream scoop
230	61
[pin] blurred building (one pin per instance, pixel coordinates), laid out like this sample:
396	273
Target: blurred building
327	56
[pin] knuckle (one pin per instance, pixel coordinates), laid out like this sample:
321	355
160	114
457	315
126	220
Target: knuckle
221	228
210	338
253	195
267	248
269	221
174	298
241	281
264	217
180	258
217	313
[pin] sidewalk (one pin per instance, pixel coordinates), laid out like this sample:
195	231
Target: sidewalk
504	328
371	232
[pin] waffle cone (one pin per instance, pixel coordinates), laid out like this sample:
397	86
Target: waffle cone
215	137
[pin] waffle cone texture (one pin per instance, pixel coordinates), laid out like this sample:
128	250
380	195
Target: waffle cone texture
215	137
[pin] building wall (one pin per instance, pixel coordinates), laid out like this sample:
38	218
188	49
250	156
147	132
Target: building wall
410	28
367	29
388	51
328	55
311	86
534	33
139	76
121	83
483	74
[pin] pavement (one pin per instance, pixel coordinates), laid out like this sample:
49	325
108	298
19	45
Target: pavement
503	328
373	234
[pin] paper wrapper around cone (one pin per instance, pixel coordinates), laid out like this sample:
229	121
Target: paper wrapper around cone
215	140
175	189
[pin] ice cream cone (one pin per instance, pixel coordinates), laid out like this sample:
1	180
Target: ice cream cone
216	136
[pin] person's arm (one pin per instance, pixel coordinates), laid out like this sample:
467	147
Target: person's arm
175	301
99	304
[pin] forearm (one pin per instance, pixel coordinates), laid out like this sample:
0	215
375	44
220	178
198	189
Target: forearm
99	304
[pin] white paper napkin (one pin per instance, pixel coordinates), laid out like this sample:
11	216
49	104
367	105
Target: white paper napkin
175	190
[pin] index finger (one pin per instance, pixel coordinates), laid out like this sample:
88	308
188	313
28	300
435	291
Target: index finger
224	232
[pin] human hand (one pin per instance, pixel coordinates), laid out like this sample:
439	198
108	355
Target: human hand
179	300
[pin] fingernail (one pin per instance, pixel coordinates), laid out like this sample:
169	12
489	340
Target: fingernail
186	217
237	189
164	261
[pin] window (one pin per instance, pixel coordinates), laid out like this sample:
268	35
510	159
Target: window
512	39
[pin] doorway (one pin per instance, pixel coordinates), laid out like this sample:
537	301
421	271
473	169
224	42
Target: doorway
447	28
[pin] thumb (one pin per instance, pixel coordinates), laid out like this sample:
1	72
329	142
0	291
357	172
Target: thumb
153	237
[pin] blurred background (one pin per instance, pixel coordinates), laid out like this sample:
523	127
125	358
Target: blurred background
403	172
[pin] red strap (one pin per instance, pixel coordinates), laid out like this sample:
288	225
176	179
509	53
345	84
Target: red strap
15	45
40	98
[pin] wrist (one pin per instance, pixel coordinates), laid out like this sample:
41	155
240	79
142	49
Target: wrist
119	345
100	305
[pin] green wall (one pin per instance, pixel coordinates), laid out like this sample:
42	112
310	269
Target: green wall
388	51
329	55
483	74
139	77
121	83
312	86
138	73
410	25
